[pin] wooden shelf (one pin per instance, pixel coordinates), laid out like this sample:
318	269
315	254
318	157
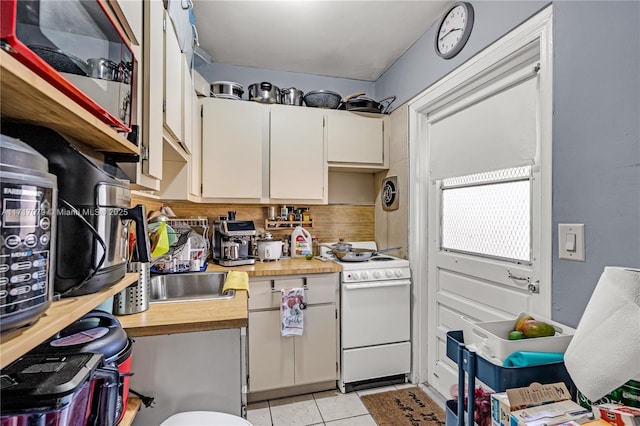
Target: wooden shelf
28	98
133	405
60	314
274	225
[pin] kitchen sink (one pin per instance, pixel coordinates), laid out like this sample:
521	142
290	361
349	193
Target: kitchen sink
189	287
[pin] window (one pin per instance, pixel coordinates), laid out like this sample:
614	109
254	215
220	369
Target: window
488	214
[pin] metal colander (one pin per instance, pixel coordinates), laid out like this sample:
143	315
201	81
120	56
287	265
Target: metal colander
135	298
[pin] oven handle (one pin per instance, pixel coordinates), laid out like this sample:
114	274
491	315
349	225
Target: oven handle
362	286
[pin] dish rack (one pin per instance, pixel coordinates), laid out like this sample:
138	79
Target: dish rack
498	378
178	261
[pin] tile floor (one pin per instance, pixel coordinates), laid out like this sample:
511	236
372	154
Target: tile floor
330	408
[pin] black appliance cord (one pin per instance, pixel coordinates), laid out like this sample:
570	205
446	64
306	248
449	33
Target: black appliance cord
100	241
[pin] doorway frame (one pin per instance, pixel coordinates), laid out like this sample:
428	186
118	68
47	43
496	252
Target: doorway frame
538	28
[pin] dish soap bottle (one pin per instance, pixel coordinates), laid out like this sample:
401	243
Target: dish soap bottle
301	243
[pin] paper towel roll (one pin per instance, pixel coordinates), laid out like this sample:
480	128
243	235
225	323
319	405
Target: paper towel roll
605	350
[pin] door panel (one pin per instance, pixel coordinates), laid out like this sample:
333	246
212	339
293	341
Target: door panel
363	323
271	362
315	350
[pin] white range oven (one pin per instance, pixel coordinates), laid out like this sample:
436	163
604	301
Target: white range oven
375	312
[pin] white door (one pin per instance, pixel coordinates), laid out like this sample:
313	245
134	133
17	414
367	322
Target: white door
487	226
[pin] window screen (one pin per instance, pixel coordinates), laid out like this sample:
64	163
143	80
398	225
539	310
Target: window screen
488	214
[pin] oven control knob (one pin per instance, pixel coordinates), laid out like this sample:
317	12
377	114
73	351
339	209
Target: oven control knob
377	274
355	275
389	273
365	275
398	273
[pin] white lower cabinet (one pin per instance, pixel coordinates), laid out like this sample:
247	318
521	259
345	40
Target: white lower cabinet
200	371
277	362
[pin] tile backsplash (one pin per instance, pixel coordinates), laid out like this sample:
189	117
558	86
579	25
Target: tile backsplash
330	222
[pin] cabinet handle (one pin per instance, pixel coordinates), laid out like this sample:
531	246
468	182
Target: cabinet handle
275	290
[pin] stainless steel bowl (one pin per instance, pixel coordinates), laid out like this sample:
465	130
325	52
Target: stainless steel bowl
322	99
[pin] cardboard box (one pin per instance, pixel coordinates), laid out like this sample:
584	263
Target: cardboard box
503	403
618	415
552	414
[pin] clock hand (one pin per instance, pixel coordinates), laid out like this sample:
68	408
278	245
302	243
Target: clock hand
449	32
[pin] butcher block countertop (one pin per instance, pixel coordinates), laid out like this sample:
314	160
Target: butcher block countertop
203	315
281	267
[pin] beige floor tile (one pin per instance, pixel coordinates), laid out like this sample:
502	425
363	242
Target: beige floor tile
365	420
259	414
335	405
296	411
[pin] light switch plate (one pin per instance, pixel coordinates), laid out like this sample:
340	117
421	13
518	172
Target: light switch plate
569	232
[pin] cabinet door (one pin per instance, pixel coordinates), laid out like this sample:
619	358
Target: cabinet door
271	360
297	165
153	82
195	164
354	138
315	350
231	148
173	84
187	105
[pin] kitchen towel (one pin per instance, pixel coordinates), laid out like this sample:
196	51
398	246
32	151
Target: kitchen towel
605	350
527	359
292	319
236	280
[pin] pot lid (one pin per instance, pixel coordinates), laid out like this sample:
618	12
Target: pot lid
232	83
39	379
268	237
341	245
15	153
95	332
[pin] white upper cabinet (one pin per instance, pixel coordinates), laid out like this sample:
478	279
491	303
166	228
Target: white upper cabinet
152	81
356	140
298	169
187	106
173	84
195	164
232	152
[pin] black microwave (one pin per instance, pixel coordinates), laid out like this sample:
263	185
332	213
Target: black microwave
75	46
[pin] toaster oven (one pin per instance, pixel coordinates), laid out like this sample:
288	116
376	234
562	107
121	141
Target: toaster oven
75	46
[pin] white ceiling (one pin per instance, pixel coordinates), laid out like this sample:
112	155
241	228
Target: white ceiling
349	39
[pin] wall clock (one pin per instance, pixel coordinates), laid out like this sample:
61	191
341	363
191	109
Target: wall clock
454	30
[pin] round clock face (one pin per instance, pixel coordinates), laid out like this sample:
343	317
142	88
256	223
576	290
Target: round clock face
454	30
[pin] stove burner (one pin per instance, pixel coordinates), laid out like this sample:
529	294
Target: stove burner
381	258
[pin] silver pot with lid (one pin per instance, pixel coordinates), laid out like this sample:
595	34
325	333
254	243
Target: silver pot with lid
264	92
291	96
227	90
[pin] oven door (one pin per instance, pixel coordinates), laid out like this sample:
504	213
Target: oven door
375	313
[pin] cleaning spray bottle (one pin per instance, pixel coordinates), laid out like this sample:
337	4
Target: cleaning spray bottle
301	243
